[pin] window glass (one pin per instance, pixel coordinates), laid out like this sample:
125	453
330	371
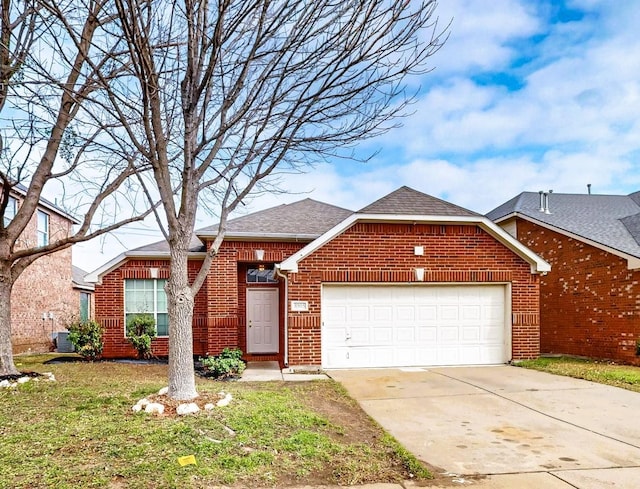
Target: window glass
10	211
147	296
84	306
43	228
256	275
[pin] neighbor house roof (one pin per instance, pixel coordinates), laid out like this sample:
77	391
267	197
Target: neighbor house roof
78	281
21	190
609	222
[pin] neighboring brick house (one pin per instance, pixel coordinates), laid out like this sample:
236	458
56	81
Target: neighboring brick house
84	291
590	301
42	299
409	280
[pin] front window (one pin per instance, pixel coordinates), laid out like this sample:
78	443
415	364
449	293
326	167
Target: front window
10	211
147	296
85	306
43	228
261	275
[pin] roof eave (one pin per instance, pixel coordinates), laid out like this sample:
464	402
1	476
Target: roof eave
248	236
538	265
95	277
42	202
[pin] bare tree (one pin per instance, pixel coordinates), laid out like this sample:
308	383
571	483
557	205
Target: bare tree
53	132
220	96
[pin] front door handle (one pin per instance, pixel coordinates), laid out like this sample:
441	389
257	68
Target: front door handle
250	325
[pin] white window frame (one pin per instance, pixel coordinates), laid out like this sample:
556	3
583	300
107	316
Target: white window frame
42	234
158	288
10	211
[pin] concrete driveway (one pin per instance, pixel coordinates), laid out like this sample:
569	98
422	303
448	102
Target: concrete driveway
521	427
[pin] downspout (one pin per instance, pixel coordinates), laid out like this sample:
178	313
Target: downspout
286	313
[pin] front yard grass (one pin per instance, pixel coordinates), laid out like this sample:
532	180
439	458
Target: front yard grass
80	431
625	376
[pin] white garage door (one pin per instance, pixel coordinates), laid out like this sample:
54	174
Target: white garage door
420	325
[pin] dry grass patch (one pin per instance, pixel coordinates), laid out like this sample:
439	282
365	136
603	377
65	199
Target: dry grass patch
81	432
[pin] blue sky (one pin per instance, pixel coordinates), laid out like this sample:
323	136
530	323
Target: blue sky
525	95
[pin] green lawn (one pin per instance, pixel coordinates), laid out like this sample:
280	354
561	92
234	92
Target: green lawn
81	432
624	376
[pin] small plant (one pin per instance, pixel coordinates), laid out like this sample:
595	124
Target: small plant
141	328
86	337
227	364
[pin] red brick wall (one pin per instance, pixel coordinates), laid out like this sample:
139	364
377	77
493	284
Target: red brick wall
109	308
45	286
589	300
365	253
227	290
385	253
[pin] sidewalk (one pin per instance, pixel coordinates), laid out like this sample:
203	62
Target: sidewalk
270	371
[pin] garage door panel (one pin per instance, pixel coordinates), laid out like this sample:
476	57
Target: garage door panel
427	335
391	325
471	312
470	334
382	335
426	313
448	312
406	313
405	335
448	334
382	314
359	313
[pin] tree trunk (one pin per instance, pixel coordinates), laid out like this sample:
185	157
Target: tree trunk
182	382
7	366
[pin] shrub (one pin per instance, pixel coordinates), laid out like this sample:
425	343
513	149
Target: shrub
227	364
141	328
86	337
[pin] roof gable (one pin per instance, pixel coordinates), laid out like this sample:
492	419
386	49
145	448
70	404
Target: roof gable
609	221
407	201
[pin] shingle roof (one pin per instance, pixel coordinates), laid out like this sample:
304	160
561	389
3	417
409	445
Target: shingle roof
306	219
77	278
407	201
309	218
162	247
610	220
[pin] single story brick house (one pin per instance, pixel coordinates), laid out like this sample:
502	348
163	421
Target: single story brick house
409	280
590	300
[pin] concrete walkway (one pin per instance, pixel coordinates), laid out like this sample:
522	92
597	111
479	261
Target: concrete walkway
510	426
270	371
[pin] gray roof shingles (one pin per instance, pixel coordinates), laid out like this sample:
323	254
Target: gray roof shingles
407	201
610	220
308	219
77	278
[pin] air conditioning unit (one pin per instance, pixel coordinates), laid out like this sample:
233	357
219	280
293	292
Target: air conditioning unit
63	345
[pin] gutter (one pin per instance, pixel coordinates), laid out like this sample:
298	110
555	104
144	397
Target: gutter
286	312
